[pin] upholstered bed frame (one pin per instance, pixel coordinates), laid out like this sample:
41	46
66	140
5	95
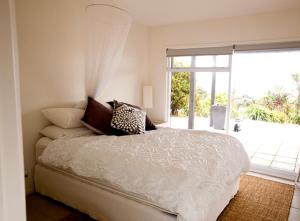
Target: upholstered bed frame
105	204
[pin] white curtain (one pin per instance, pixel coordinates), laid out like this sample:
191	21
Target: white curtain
107	30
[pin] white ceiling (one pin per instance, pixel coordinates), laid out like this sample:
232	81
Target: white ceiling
160	12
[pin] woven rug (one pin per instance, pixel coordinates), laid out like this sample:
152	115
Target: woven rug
259	200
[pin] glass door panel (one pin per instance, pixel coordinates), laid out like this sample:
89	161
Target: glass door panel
180	89
220	104
205	61
182	62
211	100
265	96
202	100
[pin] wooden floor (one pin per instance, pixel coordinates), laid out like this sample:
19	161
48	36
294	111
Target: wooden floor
40	208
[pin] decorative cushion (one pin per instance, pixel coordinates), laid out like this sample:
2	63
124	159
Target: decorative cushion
149	123
97	118
64	117
54	132
128	119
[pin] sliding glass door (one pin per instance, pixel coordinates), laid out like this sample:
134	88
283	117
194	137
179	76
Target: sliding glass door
199	92
255	97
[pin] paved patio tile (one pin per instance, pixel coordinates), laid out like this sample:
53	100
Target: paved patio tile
251	149
291	146
260	161
264	156
285	159
283	166
296	202
248	147
268	150
287	154
294	215
267	144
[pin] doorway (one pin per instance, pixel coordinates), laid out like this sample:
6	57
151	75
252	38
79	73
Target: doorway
265	98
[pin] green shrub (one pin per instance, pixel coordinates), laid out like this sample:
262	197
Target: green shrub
277	116
202	107
236	112
294	118
221	98
180	88
258	112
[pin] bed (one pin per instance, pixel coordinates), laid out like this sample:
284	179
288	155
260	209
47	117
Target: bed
164	175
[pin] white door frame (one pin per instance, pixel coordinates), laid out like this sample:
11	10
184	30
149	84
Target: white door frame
12	185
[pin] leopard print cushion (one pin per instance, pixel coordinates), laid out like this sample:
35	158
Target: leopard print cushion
128	119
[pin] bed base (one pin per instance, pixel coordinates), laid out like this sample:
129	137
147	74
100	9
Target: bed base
104	205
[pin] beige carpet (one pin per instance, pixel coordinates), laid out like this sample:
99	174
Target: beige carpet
259	200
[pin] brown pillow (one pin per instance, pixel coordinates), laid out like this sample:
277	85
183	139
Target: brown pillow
149	124
97	118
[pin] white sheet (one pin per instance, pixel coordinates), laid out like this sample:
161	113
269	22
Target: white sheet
41	146
183	171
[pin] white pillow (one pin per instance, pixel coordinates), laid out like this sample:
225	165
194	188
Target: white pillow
54	132
64	117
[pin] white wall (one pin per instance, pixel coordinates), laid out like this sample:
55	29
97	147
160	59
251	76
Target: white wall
270	27
51	36
12	188
133	71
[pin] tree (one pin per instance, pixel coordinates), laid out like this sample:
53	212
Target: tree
202	106
277	99
296	78
180	89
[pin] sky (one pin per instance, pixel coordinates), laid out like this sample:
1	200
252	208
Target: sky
256	73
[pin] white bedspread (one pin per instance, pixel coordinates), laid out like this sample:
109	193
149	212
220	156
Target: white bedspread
183	171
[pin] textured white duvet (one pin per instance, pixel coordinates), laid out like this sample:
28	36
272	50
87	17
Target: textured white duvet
183	171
